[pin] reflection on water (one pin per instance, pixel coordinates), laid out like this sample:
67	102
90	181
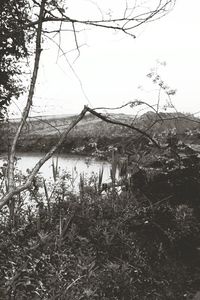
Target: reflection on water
73	164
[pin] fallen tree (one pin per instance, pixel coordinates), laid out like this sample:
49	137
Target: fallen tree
54	13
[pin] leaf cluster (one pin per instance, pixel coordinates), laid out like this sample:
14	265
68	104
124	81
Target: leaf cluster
13	47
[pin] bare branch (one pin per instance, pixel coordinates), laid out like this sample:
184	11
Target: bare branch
72	69
108	120
131	104
124	24
12	192
4	200
48	123
30	97
76	41
59	33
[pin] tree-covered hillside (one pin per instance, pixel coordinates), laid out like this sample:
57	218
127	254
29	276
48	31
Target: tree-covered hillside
40	133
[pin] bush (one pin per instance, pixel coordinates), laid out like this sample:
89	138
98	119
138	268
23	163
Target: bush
95	246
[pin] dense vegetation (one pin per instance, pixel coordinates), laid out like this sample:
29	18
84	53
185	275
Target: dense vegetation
13	48
137	238
93	136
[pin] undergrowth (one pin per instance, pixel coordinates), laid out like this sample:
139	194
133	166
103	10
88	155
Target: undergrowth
137	243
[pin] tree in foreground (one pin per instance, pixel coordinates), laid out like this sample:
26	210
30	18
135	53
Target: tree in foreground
14	43
54	17
90	247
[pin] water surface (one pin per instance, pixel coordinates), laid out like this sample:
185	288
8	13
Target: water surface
74	164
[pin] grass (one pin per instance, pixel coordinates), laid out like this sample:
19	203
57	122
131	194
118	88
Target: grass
139	242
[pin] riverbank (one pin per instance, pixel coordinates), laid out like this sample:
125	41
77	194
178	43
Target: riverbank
96	138
99	246
136	238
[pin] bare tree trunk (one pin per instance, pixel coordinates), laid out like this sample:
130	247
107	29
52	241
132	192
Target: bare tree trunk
11	161
125	25
29	100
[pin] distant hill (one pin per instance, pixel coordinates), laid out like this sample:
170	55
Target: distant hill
168	121
40	133
45	117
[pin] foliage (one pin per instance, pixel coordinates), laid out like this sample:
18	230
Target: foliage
13	47
103	243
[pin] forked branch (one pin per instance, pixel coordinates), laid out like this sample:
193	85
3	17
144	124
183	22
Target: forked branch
125	24
12	192
8	196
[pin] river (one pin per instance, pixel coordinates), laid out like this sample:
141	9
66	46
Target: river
74	164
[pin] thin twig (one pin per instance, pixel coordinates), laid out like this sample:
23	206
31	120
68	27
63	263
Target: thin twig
73	282
108	120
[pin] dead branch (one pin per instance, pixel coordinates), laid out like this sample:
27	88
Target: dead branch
12	192
111	121
29	100
4	200
125	24
131	104
48	123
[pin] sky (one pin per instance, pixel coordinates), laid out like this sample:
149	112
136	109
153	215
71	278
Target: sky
111	69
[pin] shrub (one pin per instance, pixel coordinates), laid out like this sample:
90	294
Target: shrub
94	246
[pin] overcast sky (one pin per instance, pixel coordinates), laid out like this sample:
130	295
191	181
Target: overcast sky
112	68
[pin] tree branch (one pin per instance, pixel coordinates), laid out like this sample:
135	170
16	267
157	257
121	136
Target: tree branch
111	121
29	100
4	200
123	24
